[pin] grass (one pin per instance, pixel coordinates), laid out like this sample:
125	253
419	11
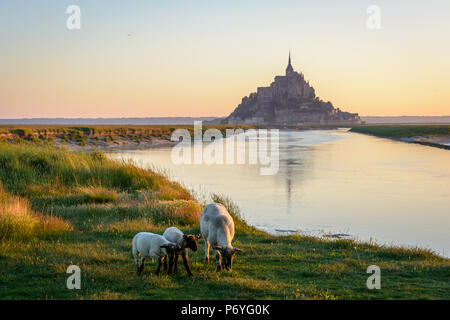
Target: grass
104	203
403	131
44	171
50	134
18	221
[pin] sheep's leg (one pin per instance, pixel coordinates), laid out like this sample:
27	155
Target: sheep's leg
171	259
158	268
165	262
142	265
219	263
206	251
136	264
186	264
177	256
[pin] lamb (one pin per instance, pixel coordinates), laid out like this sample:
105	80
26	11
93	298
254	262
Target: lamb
146	244
217	228
184	242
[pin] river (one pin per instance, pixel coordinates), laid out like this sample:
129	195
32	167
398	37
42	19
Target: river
333	182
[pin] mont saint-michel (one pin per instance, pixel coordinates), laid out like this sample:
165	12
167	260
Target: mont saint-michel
289	100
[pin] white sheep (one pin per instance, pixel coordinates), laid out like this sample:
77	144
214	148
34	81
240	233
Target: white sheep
217	228
146	244
184	241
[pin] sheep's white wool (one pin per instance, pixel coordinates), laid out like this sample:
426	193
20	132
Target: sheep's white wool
183	242
174	235
217	227
149	245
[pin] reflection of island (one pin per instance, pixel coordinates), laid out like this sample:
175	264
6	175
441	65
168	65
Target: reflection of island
289	100
292	162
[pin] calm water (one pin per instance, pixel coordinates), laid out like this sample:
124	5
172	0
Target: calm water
333	182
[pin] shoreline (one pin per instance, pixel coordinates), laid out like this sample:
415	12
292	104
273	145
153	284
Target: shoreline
123	146
420	140
436	136
442	142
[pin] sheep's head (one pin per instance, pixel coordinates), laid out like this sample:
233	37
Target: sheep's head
190	241
227	254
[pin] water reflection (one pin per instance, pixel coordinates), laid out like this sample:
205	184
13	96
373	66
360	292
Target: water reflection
292	159
335	182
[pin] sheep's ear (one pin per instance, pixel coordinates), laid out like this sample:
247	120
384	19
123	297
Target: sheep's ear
237	250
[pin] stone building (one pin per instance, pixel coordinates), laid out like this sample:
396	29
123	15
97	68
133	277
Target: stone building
289	100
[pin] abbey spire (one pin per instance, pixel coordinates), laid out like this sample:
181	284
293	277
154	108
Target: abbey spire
289	68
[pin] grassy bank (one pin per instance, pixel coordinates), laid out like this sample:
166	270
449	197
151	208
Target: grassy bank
101	136
403	131
430	135
95	206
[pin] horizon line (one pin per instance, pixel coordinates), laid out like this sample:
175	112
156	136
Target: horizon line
192	117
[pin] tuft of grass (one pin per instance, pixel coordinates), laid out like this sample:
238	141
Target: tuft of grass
19	221
133	226
78	196
16	219
181	212
97	194
24	165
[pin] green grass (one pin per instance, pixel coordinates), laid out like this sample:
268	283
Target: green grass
108	133
18	221
106	203
403	131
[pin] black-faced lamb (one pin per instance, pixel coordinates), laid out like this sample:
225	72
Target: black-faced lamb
184	241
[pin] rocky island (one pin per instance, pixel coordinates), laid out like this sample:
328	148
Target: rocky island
289	100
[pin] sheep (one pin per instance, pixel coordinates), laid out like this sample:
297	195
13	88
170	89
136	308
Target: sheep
183	241
217	228
152	245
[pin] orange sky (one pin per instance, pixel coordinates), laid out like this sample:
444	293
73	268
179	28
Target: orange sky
149	60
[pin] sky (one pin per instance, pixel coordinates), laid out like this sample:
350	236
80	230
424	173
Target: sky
199	58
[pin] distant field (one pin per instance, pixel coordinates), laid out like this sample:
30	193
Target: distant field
59	208
93	136
43	131
109	136
403	131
